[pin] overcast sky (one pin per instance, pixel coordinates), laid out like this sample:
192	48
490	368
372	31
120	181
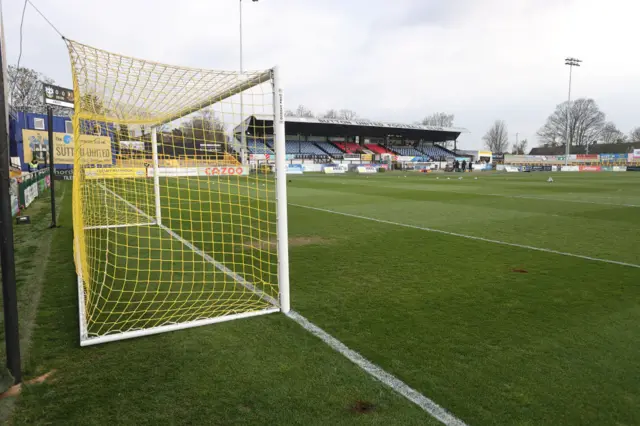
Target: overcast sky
387	60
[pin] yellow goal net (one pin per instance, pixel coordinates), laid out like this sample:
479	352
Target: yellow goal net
179	196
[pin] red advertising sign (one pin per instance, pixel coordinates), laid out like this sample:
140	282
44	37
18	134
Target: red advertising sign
224	171
587	157
590	168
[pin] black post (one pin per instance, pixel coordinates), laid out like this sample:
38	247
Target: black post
11	331
51	171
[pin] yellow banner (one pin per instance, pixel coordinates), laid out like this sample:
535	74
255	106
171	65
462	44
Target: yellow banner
114	173
93	149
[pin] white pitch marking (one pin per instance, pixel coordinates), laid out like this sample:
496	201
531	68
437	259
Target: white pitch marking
514	196
436	411
471	237
125	225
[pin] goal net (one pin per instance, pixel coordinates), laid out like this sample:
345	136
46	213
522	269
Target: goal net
171	227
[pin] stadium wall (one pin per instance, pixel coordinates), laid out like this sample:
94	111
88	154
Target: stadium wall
26	188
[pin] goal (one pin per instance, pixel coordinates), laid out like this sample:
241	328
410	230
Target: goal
171	227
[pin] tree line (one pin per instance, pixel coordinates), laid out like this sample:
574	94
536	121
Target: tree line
582	123
438	119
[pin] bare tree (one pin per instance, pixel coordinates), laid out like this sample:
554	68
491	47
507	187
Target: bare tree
586	122
611	134
497	138
520	148
26	91
301	111
347	114
438	119
634	136
332	114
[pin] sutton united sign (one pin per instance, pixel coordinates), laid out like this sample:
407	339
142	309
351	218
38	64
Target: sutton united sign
56	95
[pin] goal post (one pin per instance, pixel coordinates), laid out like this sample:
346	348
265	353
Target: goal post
171	229
156	174
281	192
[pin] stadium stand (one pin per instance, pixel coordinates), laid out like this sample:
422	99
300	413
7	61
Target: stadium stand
258	146
349	147
307	148
377	149
407	151
329	149
435	152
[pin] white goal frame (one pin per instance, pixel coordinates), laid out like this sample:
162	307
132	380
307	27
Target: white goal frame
283	304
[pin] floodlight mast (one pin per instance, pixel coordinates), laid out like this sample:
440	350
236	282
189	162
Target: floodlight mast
571	62
243	135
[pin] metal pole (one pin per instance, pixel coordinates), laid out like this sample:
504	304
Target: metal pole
156	174
568	137
51	171
572	62
282	229
9	296
243	134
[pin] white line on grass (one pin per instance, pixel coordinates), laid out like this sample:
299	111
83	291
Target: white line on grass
526	197
390	380
470	237
378	373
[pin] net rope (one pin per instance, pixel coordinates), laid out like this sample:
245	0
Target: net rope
185	235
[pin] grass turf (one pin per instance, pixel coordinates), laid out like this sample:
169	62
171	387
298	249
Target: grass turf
449	316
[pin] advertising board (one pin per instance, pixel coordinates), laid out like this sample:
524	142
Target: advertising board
334	169
590	168
294	169
366	169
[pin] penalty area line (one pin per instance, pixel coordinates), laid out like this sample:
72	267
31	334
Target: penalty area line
397	385
471	237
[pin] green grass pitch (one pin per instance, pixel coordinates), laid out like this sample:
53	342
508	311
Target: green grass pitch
495	333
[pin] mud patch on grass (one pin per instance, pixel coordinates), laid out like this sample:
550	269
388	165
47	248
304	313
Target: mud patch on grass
362	407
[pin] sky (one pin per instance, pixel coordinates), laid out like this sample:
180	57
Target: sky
387	60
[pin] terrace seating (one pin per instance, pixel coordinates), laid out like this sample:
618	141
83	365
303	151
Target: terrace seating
407	151
435	151
377	149
302	147
349	147
258	146
329	148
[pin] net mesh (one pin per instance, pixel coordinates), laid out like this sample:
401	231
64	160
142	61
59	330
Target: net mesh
180	230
